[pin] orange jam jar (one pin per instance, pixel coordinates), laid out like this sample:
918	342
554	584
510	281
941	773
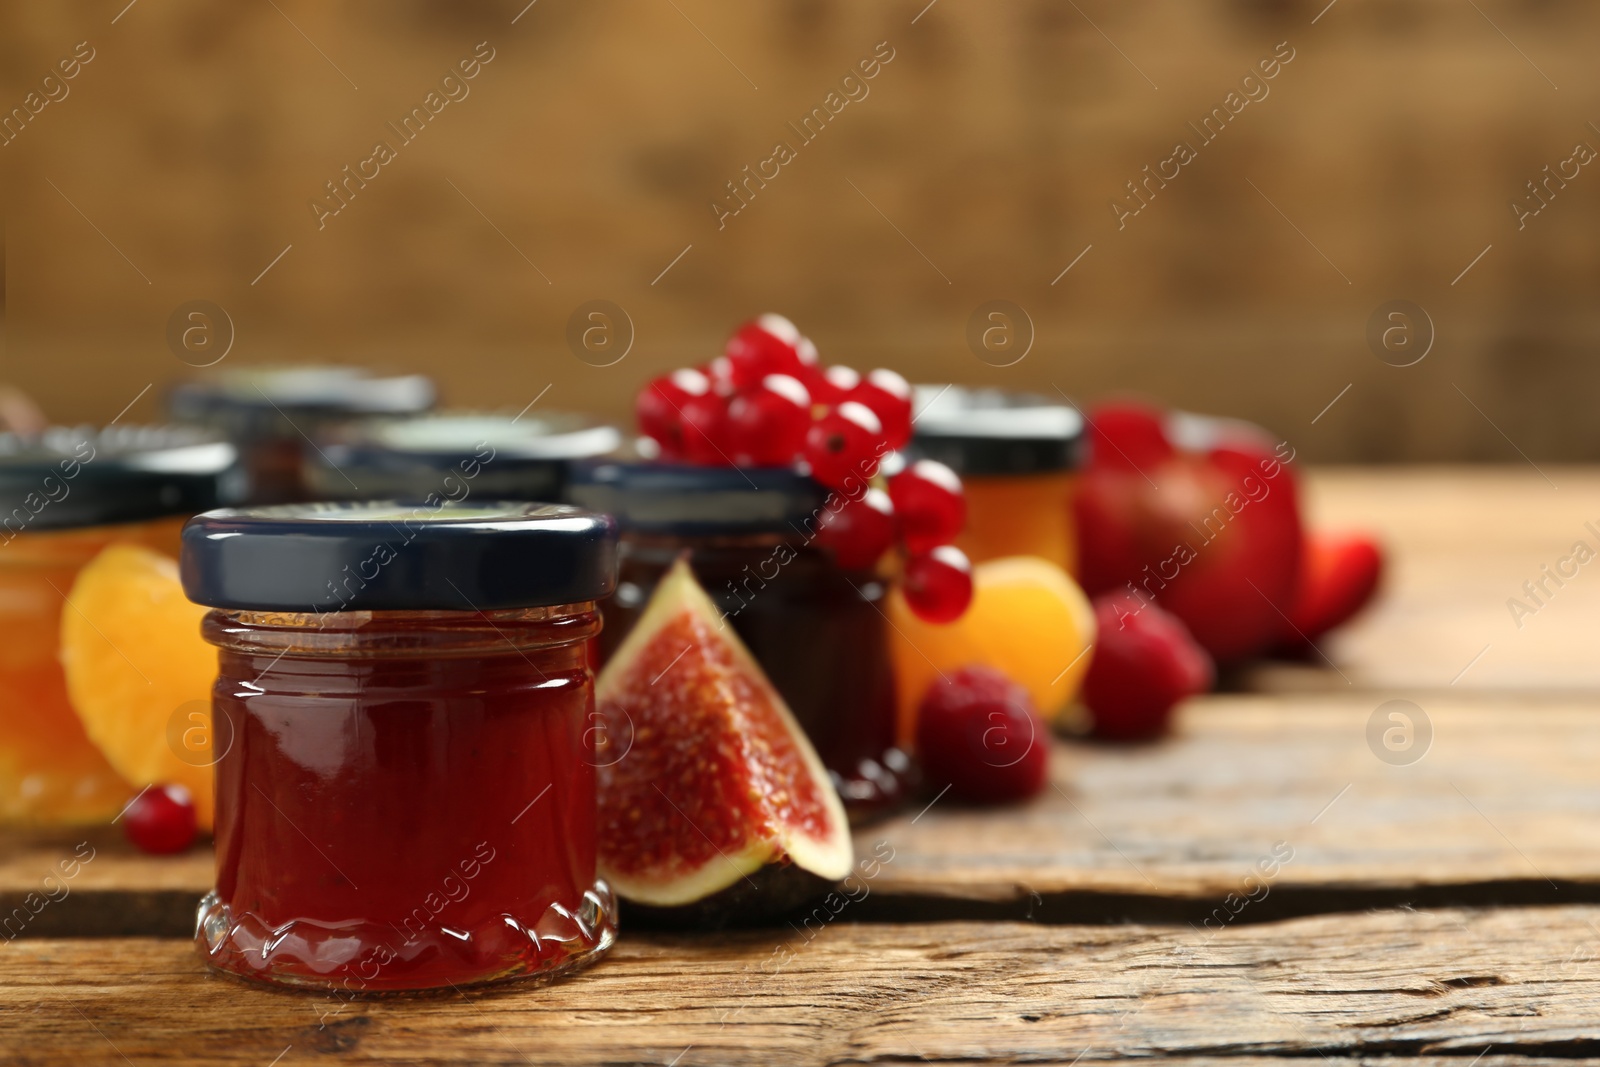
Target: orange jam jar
408	799
65	495
1018	455
274	414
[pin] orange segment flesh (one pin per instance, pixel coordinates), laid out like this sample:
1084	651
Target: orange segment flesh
1028	619
138	672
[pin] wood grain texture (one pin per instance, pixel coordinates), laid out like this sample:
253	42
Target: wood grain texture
1462	541
1501	809
1448	983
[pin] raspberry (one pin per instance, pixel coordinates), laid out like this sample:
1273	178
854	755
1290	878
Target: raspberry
938	584
767	425
161	820
978	732
930	504
858	531
844	446
1144	662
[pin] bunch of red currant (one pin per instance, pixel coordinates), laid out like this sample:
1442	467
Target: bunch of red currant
768	402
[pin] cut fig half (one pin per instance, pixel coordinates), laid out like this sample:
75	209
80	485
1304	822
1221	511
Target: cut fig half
718	797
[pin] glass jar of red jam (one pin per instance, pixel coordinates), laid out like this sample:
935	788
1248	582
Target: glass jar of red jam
406	796
65	495
1018	455
457	456
274	414
818	630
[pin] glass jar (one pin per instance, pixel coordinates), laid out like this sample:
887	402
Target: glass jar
406	795
273	414
457	455
64	496
1018	455
817	630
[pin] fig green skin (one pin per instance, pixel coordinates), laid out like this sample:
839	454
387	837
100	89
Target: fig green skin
763	898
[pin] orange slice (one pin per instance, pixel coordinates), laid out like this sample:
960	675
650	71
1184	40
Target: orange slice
138	672
1028	619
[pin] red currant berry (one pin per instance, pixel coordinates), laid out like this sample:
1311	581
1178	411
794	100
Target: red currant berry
705	431
1145	661
844	446
831	385
889	397
766	345
858	531
767	425
938	584
932	508
978	732
161	820
659	407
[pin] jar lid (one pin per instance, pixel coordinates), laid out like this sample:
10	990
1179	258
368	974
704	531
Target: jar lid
310	390
501	456
996	431
392	556
667	498
73	476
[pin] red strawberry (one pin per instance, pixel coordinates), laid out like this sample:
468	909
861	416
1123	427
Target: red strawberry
1144	662
1339	575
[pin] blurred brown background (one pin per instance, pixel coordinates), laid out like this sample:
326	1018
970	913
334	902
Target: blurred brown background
185	154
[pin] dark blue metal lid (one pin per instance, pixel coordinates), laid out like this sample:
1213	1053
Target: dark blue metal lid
289	391
666	498
499	456
390	556
79	476
996	431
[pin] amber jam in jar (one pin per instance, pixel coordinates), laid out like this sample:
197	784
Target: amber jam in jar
408	798
1018	455
65	495
274	413
817	630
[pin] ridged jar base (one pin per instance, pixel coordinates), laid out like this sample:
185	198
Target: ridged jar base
357	956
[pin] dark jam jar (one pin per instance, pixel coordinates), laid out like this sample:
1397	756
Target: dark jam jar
273	414
406	796
817	629
457	455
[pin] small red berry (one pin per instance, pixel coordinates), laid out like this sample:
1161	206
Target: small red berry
844	446
858	531
930	504
938	584
705	431
833	384
659	407
1145	661
766	345
889	397
1338	575
767	425
978	732
161	820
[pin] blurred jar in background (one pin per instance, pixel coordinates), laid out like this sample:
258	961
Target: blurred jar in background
456	456
1018	455
272	414
66	494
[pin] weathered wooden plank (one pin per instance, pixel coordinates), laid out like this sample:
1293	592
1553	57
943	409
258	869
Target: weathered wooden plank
1447	983
1501	809
1462	543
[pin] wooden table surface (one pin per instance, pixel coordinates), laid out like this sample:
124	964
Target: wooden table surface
1441	910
